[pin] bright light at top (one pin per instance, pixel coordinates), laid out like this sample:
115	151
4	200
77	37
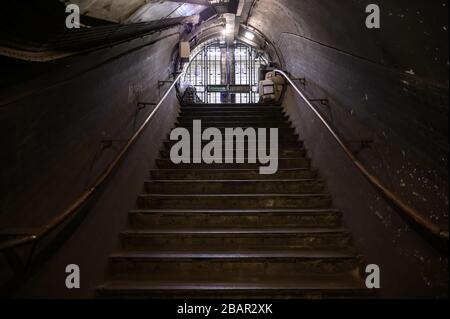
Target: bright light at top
226	32
250	36
230	21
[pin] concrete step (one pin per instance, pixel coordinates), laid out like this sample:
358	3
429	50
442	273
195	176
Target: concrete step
232	239
236	122
283	127
234	218
225	113
312	287
233	174
234	108
225	230
256	201
301	162
282	152
206	117
310	186
284	141
214	266
292	137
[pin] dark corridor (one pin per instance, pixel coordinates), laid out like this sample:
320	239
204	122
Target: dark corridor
321	160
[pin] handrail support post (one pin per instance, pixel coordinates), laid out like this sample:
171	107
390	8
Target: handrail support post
162	83
324	102
362	145
302	81
143	105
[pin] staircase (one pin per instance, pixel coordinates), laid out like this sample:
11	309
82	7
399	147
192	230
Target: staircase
225	231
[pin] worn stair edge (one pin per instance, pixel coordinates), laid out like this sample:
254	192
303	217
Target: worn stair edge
237	231
264	265
324	287
216	217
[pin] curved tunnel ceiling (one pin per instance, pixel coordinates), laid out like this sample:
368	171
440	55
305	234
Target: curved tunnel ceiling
379	84
340	25
131	11
335	24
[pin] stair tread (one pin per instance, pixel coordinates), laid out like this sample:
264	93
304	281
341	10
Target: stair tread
262	251
279	159
234	195
214	110
240	117
311	283
235	231
236	124
272	118
233	180
280	148
248	125
230	211
305	254
218	170
210	107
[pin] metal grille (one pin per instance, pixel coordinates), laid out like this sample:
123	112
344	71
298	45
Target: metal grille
246	72
225	74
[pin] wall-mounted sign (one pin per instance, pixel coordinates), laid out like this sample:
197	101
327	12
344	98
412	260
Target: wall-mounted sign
217	88
185	51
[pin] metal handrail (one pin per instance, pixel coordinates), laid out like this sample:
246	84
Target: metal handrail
86	195
418	218
21	240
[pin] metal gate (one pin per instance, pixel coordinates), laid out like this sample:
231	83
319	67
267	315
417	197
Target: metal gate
220	73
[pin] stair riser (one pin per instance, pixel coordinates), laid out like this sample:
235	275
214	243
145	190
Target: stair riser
291	138
284	153
256	122
282	163
226	116
219	269
243	220
227	175
233	242
231	109
284	142
284	129
240	234
230	117
147	202
270	187
242	294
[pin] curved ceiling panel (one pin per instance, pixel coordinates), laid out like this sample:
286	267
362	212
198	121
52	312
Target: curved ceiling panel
164	10
341	26
129	11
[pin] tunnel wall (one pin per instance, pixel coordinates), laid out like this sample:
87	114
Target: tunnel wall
54	124
93	241
389	86
410	266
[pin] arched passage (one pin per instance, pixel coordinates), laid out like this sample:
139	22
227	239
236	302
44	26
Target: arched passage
223	73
